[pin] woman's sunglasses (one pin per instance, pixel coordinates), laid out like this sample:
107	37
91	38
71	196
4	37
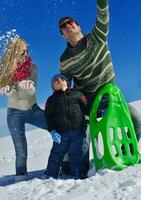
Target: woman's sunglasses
24	52
70	22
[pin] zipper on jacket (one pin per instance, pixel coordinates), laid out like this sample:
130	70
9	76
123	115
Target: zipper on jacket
67	111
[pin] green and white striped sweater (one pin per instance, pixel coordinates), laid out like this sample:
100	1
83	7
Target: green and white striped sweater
90	63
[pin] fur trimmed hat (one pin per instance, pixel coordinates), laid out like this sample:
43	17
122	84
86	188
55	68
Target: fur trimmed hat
59	76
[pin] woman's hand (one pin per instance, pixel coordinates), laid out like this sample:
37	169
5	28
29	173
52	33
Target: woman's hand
25	84
5	90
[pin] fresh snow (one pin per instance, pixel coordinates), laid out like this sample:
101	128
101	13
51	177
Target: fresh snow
104	185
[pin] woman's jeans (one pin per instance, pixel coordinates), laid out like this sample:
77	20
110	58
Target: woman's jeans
16	120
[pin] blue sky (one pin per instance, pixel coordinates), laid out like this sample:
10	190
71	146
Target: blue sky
36	22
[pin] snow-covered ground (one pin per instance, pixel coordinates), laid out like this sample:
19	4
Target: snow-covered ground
105	185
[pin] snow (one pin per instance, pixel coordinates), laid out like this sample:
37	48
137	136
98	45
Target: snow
4	38
104	185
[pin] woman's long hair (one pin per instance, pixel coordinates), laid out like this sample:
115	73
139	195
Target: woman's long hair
8	60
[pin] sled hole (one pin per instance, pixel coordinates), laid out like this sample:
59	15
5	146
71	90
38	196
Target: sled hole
127	132
99	146
111	134
131	149
123	150
114	150
119	132
103	103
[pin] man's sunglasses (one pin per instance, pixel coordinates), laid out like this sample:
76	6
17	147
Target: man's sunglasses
70	22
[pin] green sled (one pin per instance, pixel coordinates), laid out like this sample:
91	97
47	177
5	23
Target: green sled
114	142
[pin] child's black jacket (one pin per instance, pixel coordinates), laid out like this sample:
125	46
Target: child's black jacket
65	110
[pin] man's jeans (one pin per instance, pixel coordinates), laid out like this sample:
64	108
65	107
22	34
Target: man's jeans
71	143
16	120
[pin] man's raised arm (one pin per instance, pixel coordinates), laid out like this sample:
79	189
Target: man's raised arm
101	28
102	3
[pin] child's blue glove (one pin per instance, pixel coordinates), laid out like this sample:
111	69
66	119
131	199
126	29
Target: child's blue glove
55	136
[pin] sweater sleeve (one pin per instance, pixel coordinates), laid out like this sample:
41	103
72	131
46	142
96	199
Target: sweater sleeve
102	3
101	28
49	112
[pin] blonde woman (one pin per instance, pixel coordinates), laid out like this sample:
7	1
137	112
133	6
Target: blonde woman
18	81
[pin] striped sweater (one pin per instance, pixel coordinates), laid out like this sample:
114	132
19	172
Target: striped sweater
89	64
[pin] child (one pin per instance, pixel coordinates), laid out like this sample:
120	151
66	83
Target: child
65	118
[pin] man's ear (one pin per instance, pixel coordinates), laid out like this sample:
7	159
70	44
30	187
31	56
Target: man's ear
79	28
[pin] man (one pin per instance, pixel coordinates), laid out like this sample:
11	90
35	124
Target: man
87	58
